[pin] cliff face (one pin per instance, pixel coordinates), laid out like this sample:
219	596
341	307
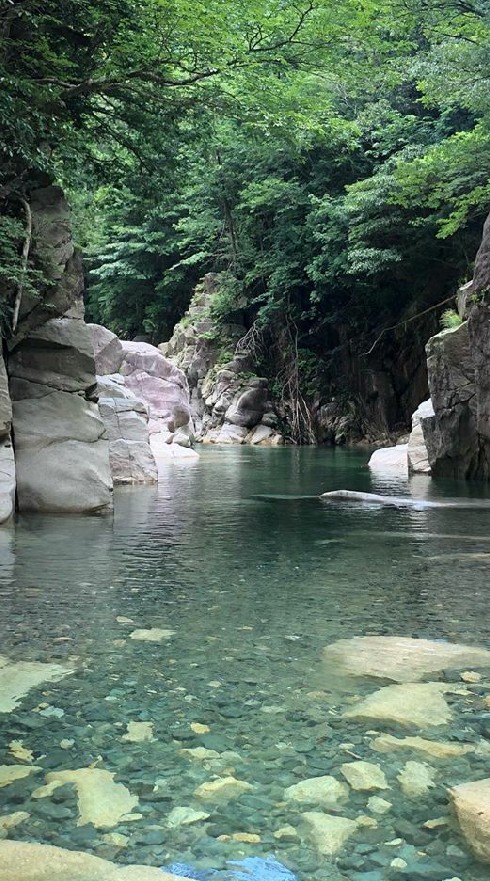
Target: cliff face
230	403
458	435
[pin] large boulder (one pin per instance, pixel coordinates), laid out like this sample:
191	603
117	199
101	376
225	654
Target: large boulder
471	803
108	350
61	447
126	421
155	380
418	457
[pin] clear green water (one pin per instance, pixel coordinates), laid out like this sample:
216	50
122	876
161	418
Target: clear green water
255	575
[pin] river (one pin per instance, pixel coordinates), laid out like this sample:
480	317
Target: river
250	575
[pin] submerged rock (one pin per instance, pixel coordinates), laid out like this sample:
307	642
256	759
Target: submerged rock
222	790
400	658
42	862
472	806
153	634
328	834
325	791
364	776
101	801
11	773
139	732
416	778
184	816
434	748
422	705
18	677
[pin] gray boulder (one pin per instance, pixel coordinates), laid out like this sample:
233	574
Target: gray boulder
108	350
126	421
61	446
163	387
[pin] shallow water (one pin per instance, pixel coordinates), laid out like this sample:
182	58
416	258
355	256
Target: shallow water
238	556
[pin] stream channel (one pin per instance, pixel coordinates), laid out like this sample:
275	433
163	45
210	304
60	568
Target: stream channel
250	575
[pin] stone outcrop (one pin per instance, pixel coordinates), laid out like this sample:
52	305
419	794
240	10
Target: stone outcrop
126	421
61	447
7	461
164	388
108	350
458	435
230	403
418	457
471	803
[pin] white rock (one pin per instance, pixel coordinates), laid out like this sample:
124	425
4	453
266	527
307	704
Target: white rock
400	658
364	776
416	779
325	791
408	704
418	459
327	833
390	459
9	821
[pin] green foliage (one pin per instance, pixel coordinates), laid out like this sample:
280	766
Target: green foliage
450	319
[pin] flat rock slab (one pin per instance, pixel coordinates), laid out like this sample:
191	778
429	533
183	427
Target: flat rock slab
101	801
42	862
472	806
422	705
222	790
18	677
400	658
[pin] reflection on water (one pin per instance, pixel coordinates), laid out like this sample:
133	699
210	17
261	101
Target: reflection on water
255	575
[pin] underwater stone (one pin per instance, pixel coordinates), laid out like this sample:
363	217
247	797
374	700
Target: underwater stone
364	776
101	801
17	679
409	704
472	806
325	791
416	778
400	658
327	833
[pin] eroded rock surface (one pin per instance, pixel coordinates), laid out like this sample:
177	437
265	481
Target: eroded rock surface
390	459
126	421
421	705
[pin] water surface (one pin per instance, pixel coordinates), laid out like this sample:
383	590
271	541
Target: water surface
238	556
